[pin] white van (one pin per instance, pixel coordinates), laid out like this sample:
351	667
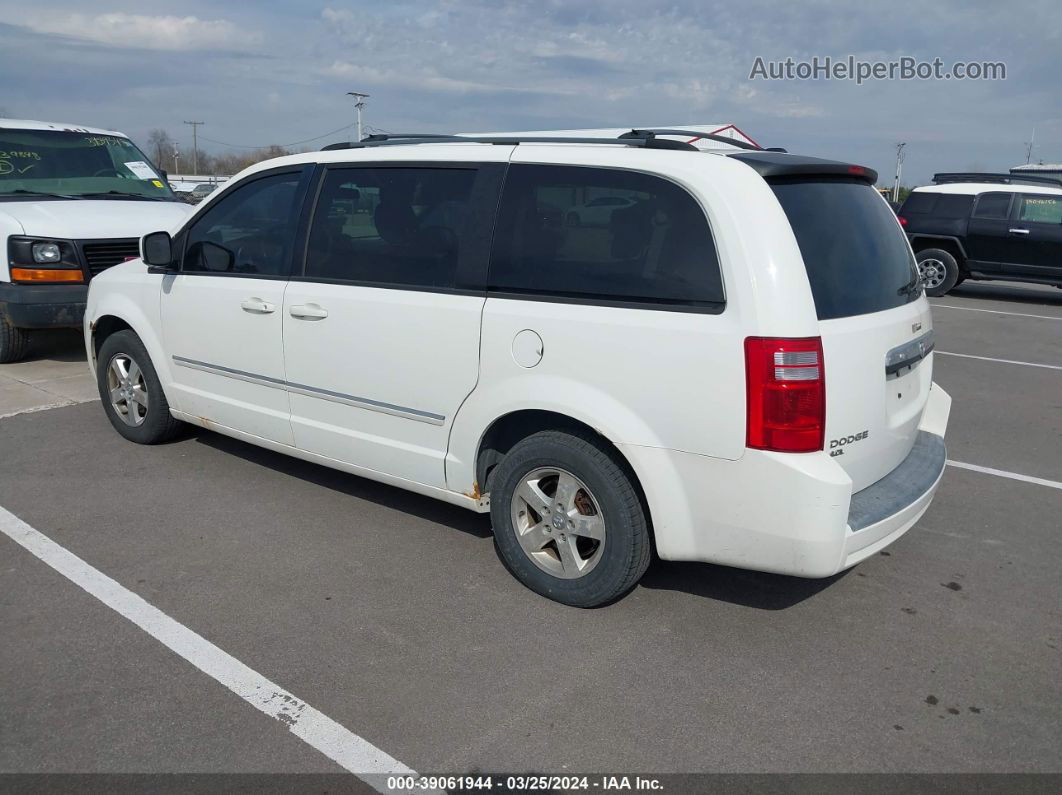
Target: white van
732	364
73	202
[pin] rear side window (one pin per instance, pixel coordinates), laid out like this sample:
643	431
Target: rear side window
390	226
919	204
992	205
590	234
939	205
856	255
1041	209
953	205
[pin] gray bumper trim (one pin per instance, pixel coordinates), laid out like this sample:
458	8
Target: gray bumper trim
901	487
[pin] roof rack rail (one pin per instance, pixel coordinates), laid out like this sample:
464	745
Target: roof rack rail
1003	179
646	141
654	132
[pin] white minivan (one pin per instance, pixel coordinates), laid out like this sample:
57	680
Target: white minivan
734	366
73	201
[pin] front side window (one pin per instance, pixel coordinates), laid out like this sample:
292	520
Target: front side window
1041	209
993	205
249	232
602	234
391	226
48	163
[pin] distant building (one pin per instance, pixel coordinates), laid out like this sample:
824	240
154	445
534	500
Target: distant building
1039	170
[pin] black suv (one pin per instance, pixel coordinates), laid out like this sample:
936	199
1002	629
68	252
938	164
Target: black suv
985	226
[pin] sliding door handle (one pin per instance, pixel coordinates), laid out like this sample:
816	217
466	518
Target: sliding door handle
308	312
256	306
1018	231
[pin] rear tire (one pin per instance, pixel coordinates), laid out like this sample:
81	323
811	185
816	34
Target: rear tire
568	519
131	392
938	270
14	342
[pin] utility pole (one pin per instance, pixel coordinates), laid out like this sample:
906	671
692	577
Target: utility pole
176	155
195	145
1029	146
359	103
900	154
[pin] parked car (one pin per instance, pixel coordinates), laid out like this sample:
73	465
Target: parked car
200	192
985	226
74	201
739	370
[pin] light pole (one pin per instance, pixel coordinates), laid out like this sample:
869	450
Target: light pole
899	163
359	103
176	155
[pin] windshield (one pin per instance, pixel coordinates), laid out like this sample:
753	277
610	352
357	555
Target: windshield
76	164
855	252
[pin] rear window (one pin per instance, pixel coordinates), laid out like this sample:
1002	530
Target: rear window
940	205
856	255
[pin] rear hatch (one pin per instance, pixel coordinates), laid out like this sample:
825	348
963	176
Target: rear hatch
875	326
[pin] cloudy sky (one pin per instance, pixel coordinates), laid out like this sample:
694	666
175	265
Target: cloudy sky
276	72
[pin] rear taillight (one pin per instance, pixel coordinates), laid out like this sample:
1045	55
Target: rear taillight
902	220
785	394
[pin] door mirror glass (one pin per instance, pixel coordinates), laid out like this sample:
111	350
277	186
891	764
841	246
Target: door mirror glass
157	249
215	258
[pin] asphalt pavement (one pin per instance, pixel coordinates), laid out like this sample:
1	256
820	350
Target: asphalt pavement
392	614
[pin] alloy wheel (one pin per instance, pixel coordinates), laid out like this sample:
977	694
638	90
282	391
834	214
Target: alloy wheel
558	522
128	390
932	272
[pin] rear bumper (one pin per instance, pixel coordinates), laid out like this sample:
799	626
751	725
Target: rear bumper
43	306
785	513
884	511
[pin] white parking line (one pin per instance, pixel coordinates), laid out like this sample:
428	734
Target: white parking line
994	311
339	744
1001	473
1001	361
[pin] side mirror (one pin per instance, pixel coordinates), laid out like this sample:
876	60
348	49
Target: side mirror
156	249
215	258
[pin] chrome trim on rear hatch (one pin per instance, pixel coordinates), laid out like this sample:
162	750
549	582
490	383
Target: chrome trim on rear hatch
909	354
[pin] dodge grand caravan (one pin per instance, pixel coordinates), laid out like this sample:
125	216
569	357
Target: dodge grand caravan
73	201
733	364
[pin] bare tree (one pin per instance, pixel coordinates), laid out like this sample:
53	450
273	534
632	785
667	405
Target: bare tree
160	143
229	164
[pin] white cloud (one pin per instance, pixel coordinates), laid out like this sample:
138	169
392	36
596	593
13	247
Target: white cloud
148	32
406	78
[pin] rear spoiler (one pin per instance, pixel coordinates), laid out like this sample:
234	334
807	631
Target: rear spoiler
776	164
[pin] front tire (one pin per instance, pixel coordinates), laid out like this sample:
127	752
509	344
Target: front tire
938	270
568	519
131	392
14	342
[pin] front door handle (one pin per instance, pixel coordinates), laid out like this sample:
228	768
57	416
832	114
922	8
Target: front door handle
256	306
1018	231
308	312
